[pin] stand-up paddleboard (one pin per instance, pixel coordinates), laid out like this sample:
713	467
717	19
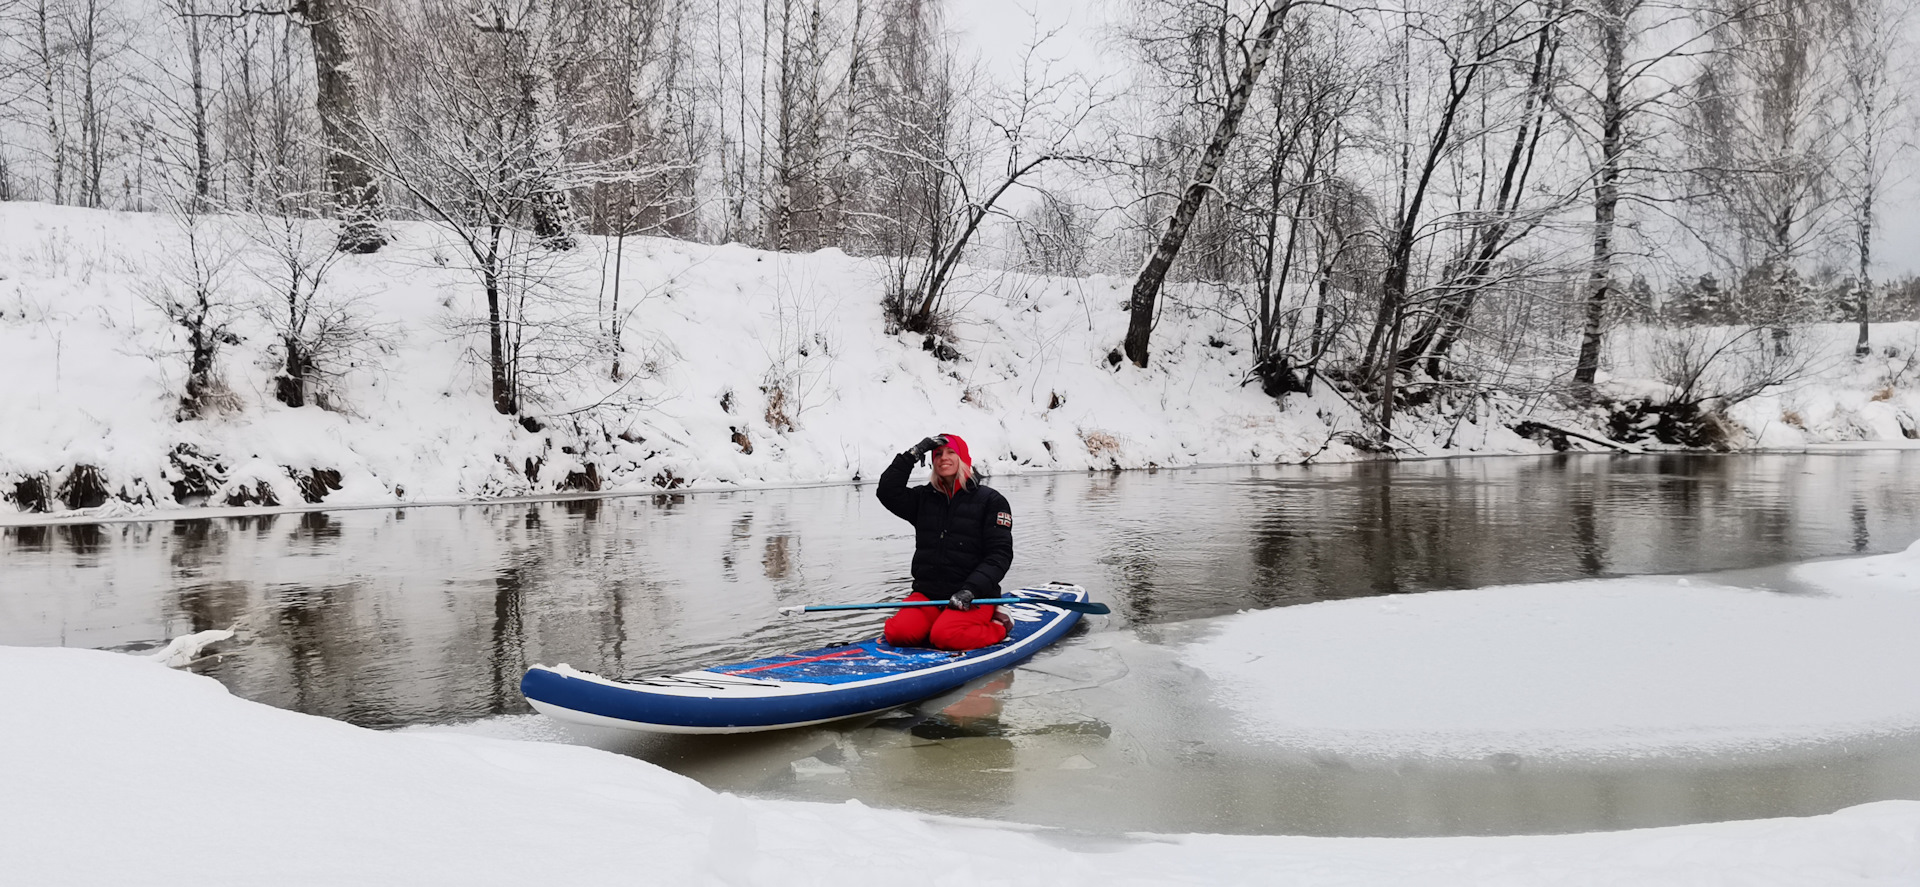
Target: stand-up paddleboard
796	689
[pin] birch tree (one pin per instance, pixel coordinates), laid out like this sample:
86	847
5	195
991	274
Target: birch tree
1253	54
1470	45
1765	131
1874	72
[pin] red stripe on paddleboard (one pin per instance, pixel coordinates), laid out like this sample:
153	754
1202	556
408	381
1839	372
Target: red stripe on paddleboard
793	662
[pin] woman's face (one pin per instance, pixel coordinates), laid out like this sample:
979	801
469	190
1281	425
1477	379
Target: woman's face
946	462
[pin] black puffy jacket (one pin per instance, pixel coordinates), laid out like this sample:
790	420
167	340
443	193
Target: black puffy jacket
963	542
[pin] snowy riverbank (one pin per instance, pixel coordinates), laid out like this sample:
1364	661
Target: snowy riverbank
739	368
121	770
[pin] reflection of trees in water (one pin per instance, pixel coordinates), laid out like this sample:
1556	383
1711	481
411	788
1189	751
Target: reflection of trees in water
741	531
776	561
317	527
84	540
586	592
32	537
192	541
1132	557
209	605
299	626
508	660
81	540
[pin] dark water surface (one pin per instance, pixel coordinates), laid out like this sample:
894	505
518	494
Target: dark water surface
424	616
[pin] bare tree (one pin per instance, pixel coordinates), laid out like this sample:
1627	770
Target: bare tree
1764	135
1472	47
1253	54
1873	33
1502	215
318	332
194	295
1613	26
467	153
47	70
1033	123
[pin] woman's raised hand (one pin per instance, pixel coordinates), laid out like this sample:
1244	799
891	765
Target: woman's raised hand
928	445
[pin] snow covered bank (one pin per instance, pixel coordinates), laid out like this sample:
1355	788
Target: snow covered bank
1592	669
734	367
120	771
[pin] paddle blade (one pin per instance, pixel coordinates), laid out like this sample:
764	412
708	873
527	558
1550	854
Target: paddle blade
1093	608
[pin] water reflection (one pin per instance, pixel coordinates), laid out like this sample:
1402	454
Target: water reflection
429	615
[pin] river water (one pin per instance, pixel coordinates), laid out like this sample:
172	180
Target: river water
425	618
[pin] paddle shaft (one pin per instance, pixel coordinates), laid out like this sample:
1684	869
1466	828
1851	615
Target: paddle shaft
1096	609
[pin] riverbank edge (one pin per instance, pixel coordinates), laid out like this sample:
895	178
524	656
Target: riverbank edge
120	513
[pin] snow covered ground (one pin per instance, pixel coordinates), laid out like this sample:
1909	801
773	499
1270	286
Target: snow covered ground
120	770
94	373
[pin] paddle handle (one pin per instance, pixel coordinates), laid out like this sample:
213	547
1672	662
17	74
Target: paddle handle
1076	606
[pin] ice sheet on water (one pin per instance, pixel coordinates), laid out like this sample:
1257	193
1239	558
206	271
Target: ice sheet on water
1627	666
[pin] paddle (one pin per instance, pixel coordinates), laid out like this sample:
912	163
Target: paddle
1096	609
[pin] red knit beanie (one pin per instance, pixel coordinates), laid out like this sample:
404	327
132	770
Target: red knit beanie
959	446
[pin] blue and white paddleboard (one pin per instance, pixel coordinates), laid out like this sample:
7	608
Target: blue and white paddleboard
796	689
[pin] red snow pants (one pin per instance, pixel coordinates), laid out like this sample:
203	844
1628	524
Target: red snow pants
944	628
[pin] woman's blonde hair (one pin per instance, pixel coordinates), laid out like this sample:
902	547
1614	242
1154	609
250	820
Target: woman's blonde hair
959	482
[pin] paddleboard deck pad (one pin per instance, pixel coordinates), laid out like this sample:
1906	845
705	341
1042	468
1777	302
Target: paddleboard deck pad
796	689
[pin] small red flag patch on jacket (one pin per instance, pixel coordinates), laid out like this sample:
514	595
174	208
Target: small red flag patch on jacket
1005	519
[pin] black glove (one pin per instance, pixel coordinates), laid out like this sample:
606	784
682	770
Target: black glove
962	600
928	445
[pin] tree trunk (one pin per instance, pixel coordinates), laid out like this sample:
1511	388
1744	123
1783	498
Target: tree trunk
202	147
351	185
1606	198
553	220
1436	336
90	134
780	215
1863	298
1146	288
56	143
503	399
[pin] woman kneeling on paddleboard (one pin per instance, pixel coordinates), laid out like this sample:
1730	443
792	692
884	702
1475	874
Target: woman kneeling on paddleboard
963	545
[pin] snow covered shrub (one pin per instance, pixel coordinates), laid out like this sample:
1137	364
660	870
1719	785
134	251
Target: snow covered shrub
798	356
193	476
83	488
1677	423
586	479
191	292
1100	443
777	418
316	483
30	494
316	334
258	493
1723	366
